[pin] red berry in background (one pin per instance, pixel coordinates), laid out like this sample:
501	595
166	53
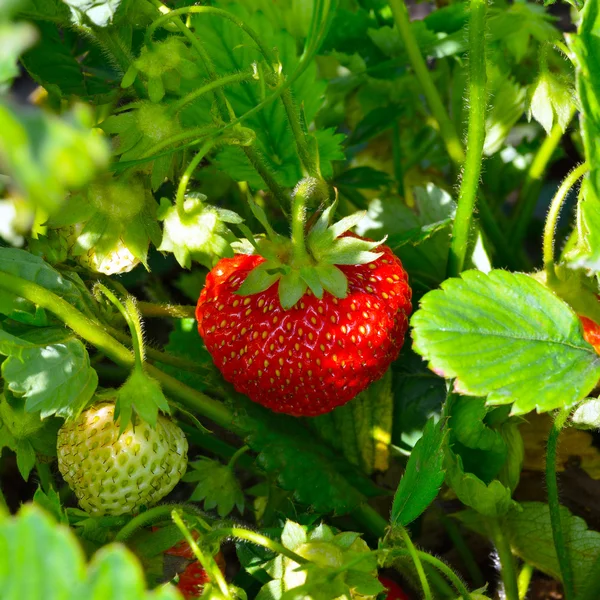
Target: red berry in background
394	591
316	355
192	580
591	332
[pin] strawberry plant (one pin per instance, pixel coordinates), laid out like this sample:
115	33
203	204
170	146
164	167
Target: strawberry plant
299	299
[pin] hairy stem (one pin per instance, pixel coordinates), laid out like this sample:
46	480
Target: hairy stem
259	540
97	336
185	178
532	185
507	562
153	515
553	214
463	550
560	546
208	562
131	317
175	311
210	87
447	129
461	588
475	138
414	554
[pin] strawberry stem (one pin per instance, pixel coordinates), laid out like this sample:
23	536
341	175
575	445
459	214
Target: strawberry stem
206	560
132	318
414	554
237	454
467	198
185	178
259	540
552	219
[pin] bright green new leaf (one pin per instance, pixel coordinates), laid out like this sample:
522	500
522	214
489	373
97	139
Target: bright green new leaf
423	477
506	336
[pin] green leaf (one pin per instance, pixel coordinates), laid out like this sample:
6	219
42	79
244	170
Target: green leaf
51	369
40	559
361	429
32	268
142	394
496	333
67	65
217	486
529	533
293	535
231	51
317	475
25	458
423	477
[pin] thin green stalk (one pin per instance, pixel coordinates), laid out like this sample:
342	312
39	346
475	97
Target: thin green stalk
151	516
508	570
532	185
208	562
447	129
461	588
300	197
524	580
475	138
553	214
560	546
129	313
185	178
96	336
259	540
414	554
458	541
210	87
174	311
236	456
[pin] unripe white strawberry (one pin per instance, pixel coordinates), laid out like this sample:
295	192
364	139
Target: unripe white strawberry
112	474
117	261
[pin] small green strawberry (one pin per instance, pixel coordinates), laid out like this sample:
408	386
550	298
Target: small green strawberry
112	474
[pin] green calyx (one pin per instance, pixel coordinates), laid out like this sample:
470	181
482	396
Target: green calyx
309	262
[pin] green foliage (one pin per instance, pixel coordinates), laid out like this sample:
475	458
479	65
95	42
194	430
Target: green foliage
51	369
496	332
217	486
28	539
423	477
361	429
529	532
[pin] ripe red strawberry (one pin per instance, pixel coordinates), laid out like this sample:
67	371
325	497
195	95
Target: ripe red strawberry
192	580
591	332
316	355
394	591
